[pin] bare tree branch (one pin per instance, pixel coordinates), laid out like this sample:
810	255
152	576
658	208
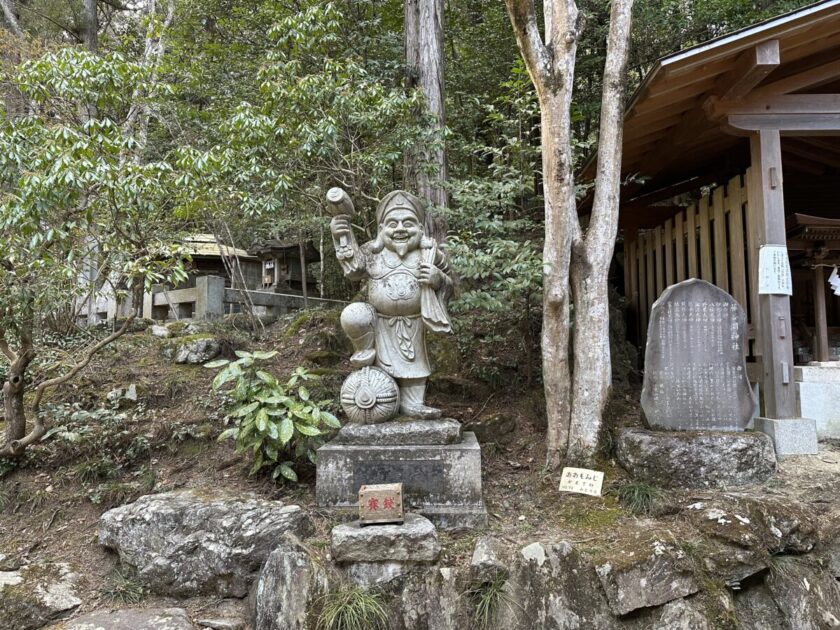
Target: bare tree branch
16	447
523	18
603	224
6	350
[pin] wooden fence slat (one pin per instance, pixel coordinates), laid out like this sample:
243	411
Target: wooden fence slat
643	305
660	268
669	252
633	289
706	271
721	256
651	271
736	241
679	239
753	228
691	235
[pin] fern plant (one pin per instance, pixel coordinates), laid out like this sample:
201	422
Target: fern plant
278	422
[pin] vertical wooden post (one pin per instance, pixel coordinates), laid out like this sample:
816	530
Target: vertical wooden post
736	242
302	252
660	266
821	350
774	310
706	270
669	252
679	238
721	258
691	236
632	288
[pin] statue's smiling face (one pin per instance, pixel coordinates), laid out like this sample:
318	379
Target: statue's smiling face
401	231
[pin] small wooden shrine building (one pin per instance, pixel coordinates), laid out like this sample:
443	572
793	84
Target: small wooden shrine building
730	146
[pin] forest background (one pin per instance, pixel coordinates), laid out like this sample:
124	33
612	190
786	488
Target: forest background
126	125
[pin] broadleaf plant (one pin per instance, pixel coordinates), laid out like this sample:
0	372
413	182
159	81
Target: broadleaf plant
278	422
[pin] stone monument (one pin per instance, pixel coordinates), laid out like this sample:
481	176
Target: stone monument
695	371
696	388
392	435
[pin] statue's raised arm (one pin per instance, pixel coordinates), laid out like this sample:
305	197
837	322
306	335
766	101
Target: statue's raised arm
347	250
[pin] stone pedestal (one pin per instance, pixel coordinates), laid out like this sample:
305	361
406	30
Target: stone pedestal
791	436
696	459
818	396
441	481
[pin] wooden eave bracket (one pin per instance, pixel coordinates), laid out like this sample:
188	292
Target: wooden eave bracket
741	109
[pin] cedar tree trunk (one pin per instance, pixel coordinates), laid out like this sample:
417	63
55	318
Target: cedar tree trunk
424	70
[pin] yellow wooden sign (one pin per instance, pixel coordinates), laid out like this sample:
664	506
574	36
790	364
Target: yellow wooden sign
582	481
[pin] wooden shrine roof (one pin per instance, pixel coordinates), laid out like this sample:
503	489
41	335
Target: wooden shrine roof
803	227
673	145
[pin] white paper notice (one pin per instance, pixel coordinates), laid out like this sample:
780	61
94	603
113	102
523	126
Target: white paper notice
774	271
582	480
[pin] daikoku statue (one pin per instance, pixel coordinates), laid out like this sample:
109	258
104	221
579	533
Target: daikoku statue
408	288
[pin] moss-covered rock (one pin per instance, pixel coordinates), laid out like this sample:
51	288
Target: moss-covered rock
324	358
33	595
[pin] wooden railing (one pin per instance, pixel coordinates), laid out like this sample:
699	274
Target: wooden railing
209	298
711	240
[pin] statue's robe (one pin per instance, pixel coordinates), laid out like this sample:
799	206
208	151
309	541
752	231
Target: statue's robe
404	308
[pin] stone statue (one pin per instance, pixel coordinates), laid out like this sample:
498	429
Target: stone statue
408	288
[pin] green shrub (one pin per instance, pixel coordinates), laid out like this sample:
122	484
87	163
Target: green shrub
278	422
352	608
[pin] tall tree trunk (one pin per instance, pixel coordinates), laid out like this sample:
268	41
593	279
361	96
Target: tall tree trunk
551	66
15	411
424	70
14	100
591	257
574	409
11	17
559	196
90	26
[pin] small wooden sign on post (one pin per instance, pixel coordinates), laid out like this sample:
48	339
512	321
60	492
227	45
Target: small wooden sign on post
380	504
582	480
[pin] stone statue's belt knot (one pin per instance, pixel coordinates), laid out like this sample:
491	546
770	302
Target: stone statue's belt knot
403	326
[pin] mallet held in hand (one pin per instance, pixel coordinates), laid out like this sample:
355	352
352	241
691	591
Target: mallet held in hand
339	203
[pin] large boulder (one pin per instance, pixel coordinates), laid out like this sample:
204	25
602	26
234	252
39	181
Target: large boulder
197	351
415	540
692	459
187	543
130	619
431	599
290	580
794	595
651	575
35	594
762	524
553	587
486	562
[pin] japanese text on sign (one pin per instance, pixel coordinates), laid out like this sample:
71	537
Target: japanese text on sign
582	480
774	271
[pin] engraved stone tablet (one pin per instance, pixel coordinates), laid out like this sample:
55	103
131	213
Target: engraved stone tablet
695	372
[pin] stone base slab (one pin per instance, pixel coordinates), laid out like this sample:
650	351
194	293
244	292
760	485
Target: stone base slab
695	459
442	482
401	433
791	436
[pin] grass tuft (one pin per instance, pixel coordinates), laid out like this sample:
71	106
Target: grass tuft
639	497
487	597
124	588
352	608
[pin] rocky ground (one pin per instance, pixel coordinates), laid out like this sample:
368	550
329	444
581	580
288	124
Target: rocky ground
765	555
